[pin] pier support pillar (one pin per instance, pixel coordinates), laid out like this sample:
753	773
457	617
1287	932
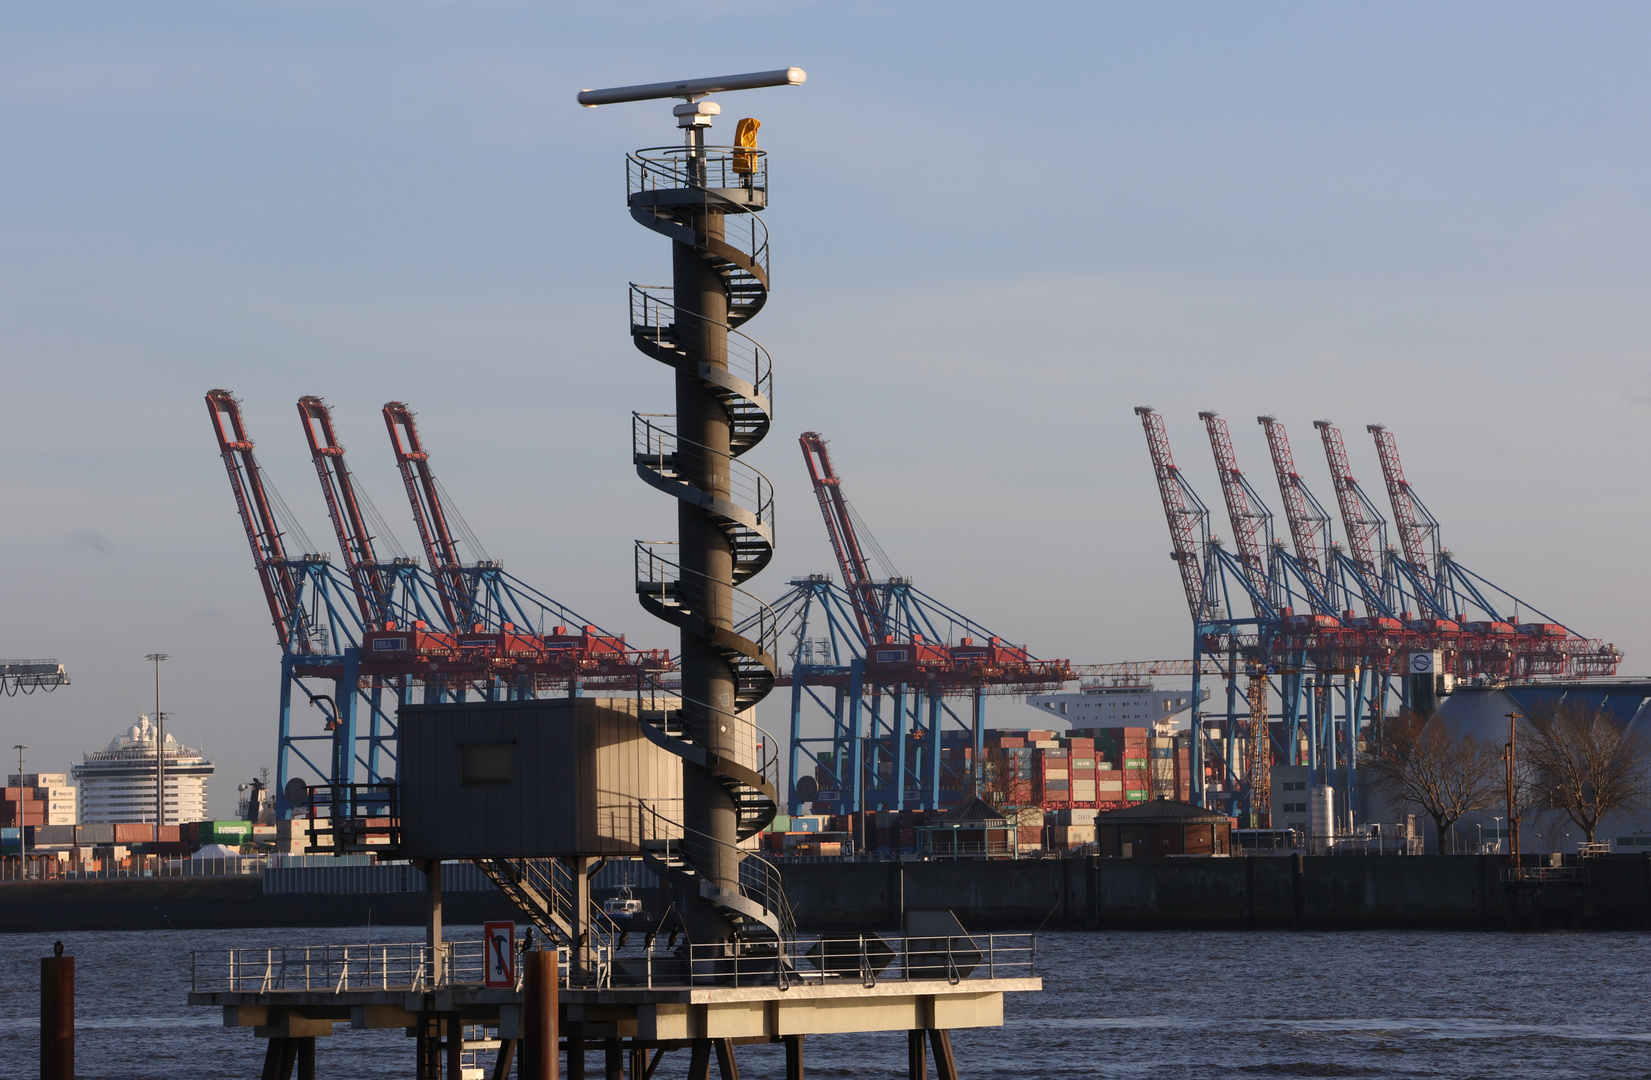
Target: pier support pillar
725	1060
945	1066
917	1063
699	1060
429	1049
613	1053
576	1052
455	1046
284	1053
57	1016
507	1057
793	1057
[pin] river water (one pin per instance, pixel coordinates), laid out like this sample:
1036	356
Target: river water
1126	1005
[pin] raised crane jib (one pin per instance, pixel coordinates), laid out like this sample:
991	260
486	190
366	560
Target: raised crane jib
1366	528
1418	529
851	559
1309	524
344	508
1188	524
425	499
1252	522
258	517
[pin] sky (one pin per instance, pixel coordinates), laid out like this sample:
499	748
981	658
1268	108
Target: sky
995	229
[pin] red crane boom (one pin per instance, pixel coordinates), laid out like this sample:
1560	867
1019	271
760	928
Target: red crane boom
343	507
851	559
1184	521
1248	521
1364	529
1308	530
1415	535
428	515
258	517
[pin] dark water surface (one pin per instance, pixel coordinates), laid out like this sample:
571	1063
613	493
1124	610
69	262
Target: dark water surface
1145	1005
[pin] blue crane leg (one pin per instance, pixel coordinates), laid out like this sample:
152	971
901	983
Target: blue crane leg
933	781
283	745
979	742
793	804
856	694
346	695
899	724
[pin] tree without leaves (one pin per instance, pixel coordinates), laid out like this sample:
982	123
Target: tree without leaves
999	785
1583	763
1417	762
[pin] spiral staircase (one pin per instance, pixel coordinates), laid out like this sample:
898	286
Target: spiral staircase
705	199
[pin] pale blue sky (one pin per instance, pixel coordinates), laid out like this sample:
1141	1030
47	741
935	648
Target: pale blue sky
996	228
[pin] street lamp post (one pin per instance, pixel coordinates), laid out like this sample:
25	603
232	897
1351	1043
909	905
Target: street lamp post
1511	756
1498	820
22	822
160	749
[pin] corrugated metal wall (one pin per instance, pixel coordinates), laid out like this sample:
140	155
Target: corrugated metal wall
329	877
385	878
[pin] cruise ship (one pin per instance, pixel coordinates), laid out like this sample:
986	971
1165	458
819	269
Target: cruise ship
117	783
1101	703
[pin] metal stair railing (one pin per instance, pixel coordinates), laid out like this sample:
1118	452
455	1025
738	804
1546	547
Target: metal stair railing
653	317
674	168
678	849
659	579
758	751
749	504
750	774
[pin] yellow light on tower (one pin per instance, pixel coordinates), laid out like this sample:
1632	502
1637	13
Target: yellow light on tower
745	140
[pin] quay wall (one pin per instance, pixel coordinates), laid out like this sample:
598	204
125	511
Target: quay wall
219	903
1450	892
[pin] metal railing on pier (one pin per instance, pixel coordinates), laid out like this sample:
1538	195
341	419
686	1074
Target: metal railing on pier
805	960
46	868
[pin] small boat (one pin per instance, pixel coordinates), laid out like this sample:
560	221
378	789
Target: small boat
624	910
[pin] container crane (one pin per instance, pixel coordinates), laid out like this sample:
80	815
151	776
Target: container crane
1417	527
424	496
379	582
280	576
499	620
890	659
1365	526
381	627
1252	522
1188	517
1309	521
316	612
845	544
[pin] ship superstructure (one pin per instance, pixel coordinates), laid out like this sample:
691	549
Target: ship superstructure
1128	702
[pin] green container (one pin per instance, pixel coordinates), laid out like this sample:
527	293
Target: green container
229	833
